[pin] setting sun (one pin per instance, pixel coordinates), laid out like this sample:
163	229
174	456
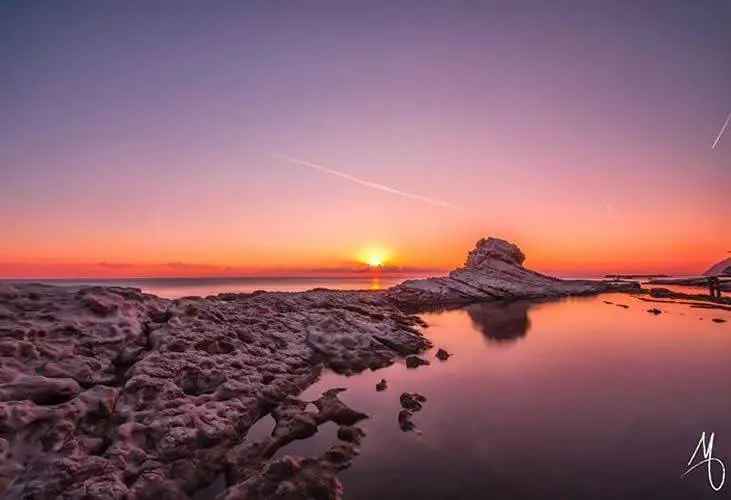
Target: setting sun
375	261
374	256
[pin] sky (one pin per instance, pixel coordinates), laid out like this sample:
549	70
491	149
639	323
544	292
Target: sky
233	138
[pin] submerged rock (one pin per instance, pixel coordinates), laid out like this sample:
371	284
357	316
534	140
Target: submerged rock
404	420
718	320
411	402
442	355
654	311
415	362
493	271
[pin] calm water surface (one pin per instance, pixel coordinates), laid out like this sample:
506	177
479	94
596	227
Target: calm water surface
571	399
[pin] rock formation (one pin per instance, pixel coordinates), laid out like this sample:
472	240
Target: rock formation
723	268
494	271
112	393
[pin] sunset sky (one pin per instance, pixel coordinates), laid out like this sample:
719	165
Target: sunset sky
230	138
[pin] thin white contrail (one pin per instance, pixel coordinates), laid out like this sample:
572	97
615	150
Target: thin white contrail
723	129
363	182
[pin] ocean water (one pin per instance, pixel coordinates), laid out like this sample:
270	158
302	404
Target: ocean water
173	288
568	399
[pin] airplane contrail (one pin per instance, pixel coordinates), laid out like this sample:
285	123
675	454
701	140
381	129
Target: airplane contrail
363	182
723	129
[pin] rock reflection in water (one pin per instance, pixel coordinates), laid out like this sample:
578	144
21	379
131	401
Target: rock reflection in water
500	321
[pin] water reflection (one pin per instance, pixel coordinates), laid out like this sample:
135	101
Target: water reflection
500	321
597	402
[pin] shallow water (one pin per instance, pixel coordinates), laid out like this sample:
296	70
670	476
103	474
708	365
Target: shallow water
568	399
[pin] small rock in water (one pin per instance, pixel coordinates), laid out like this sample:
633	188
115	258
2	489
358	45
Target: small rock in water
718	320
654	311
351	434
622	305
442	355
415	361
608	302
412	401
404	420
382	385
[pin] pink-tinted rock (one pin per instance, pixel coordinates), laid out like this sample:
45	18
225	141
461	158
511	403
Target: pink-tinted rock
494	271
108	392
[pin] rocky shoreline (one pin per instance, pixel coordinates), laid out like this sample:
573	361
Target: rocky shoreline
112	393
494	271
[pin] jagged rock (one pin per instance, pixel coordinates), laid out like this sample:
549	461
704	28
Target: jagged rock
108	392
412	401
415	362
382	385
294	478
493	271
442	355
253	473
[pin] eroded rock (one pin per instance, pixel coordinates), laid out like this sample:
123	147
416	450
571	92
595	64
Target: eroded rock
412	401
108	392
442	355
494	271
415	362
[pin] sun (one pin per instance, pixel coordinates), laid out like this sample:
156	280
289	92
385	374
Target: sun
375	260
374	257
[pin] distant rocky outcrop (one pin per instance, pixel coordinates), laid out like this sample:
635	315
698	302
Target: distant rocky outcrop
723	268
494	271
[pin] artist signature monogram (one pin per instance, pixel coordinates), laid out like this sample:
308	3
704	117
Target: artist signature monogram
712	463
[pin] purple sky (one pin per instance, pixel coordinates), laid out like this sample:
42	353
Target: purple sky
147	134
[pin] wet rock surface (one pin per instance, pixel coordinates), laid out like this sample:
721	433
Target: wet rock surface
254	472
411	402
415	361
442	355
494	271
112	393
